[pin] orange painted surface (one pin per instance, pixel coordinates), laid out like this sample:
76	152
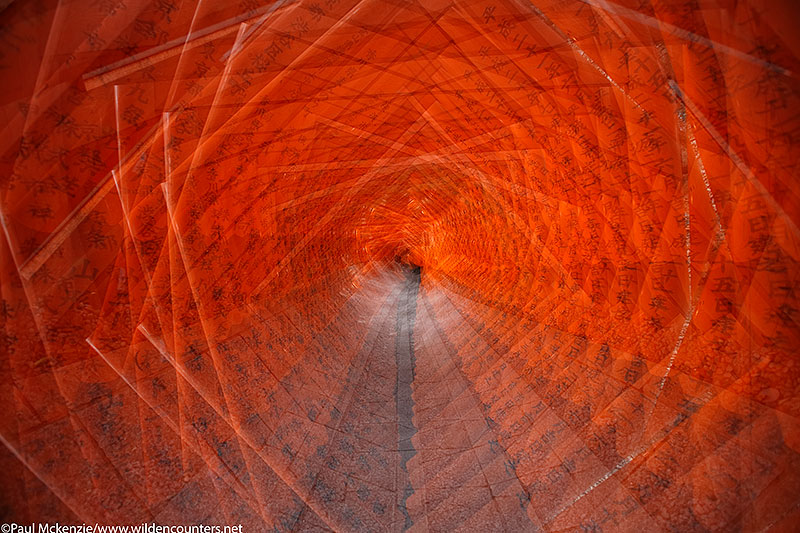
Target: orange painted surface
210	215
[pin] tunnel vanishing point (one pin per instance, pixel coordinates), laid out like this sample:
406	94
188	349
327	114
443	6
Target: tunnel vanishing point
400	265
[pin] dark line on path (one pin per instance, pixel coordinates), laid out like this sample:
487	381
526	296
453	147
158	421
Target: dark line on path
406	364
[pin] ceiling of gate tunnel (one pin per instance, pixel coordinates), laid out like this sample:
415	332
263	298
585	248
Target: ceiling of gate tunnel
384	265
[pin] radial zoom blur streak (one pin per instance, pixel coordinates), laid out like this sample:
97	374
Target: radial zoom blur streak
389	265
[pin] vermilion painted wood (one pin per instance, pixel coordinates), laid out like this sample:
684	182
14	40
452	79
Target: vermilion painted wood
211	215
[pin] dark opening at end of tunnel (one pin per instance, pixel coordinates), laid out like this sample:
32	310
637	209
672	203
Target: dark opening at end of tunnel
373	265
